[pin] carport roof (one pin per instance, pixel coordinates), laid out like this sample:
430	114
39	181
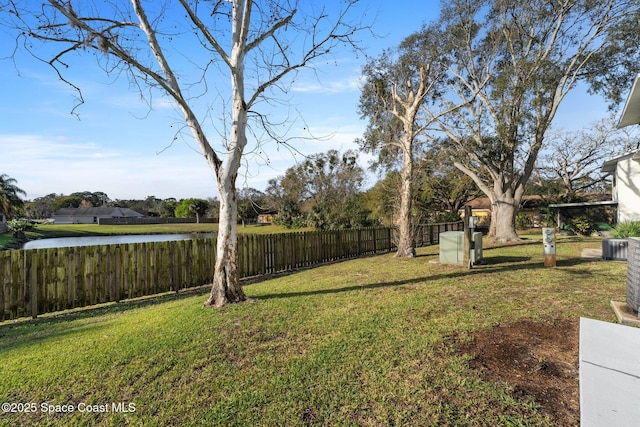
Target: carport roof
583	204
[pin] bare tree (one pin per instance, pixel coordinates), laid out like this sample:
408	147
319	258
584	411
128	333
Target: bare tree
259	46
576	158
532	54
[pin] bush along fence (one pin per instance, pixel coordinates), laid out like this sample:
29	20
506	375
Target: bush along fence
39	281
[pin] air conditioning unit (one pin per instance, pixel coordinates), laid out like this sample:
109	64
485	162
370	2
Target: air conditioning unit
452	247
615	249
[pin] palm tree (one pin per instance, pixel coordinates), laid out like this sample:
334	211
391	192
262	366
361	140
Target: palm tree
9	195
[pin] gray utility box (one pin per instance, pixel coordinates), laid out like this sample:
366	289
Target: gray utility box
452	247
633	274
615	249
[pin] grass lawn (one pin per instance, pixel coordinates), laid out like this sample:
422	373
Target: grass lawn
5	239
363	342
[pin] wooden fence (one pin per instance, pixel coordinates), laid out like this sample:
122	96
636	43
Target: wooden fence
38	281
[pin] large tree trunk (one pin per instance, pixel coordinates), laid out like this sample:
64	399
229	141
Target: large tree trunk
226	286
505	196
504	208
405	225
405	228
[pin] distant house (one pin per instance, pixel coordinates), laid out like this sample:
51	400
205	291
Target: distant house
266	218
92	215
480	208
529	207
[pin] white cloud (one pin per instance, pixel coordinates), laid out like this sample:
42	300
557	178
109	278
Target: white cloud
44	165
345	84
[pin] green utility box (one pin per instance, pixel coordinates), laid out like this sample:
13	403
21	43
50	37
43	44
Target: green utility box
452	247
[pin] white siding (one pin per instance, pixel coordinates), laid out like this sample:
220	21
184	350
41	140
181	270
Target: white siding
627	190
72	219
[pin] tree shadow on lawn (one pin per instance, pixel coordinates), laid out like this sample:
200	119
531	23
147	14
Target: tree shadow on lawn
500	260
87	312
22	334
490	265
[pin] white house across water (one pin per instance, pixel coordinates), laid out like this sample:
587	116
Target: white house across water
92	215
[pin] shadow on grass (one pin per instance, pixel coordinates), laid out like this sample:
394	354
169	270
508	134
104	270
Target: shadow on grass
497	260
100	310
494	265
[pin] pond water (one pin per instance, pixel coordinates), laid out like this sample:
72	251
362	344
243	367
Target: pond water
63	242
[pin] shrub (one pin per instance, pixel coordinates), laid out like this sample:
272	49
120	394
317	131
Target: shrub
446	217
18	227
523	221
581	225
547	217
627	229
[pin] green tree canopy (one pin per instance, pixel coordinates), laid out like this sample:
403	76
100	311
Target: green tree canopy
191	208
328	186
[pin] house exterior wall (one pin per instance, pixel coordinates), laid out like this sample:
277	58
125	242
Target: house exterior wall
62	219
92	215
626	190
74	219
266	218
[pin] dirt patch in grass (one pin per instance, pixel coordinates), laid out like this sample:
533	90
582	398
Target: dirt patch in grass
539	361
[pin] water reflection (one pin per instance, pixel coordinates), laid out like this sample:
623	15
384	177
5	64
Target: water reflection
64	242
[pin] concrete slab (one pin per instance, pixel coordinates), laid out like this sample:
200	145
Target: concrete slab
625	314
609	374
591	253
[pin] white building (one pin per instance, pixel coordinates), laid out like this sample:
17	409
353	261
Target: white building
625	169
625	190
92	215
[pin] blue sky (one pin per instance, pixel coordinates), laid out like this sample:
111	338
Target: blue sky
124	149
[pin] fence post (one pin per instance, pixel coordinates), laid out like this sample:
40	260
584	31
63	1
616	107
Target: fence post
375	240
117	283
32	273
2	286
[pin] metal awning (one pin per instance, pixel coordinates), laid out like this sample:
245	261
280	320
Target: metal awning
631	112
583	204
